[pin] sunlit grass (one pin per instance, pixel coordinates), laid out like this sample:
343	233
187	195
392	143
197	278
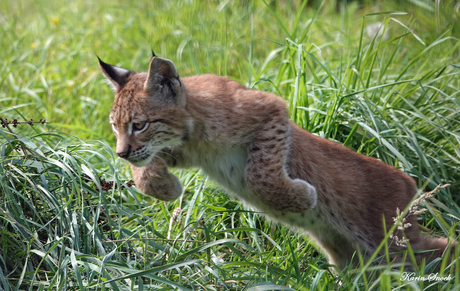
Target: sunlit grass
395	99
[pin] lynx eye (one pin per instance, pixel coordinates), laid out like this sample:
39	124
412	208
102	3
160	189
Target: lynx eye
140	126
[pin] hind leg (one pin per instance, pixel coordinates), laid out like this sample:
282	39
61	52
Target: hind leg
340	251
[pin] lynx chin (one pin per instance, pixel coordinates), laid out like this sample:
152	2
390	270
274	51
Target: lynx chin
243	139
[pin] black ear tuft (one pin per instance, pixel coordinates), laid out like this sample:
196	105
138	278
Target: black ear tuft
153	54
107	69
117	76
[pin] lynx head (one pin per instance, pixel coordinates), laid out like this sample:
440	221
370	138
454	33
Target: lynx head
148	112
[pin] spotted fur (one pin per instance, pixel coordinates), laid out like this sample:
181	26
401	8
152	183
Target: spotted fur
243	139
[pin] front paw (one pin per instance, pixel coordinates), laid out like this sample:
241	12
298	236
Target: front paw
166	188
304	194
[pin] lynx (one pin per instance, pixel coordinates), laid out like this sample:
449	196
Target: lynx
243	139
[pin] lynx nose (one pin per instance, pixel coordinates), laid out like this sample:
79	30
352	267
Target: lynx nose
125	153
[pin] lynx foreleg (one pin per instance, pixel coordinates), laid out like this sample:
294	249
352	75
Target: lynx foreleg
266	174
154	180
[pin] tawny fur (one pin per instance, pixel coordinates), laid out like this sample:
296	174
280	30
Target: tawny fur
243	139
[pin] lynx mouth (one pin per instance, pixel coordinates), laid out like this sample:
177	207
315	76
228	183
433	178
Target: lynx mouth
143	155
139	157
140	161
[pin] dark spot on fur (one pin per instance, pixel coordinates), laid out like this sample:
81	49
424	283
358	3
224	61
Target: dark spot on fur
254	149
280	131
185	137
266	139
270	147
265	184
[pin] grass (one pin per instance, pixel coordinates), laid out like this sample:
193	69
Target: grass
69	220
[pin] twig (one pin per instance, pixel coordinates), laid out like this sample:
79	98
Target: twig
15	122
6	124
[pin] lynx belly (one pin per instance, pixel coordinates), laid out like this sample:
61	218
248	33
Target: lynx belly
228	171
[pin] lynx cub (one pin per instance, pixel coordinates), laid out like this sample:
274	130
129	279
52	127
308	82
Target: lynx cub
243	139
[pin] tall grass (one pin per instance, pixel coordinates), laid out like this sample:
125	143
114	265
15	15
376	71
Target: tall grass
69	219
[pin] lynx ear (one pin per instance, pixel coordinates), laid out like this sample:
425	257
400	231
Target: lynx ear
118	77
161	72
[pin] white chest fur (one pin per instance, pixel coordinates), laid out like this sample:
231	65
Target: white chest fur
227	168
